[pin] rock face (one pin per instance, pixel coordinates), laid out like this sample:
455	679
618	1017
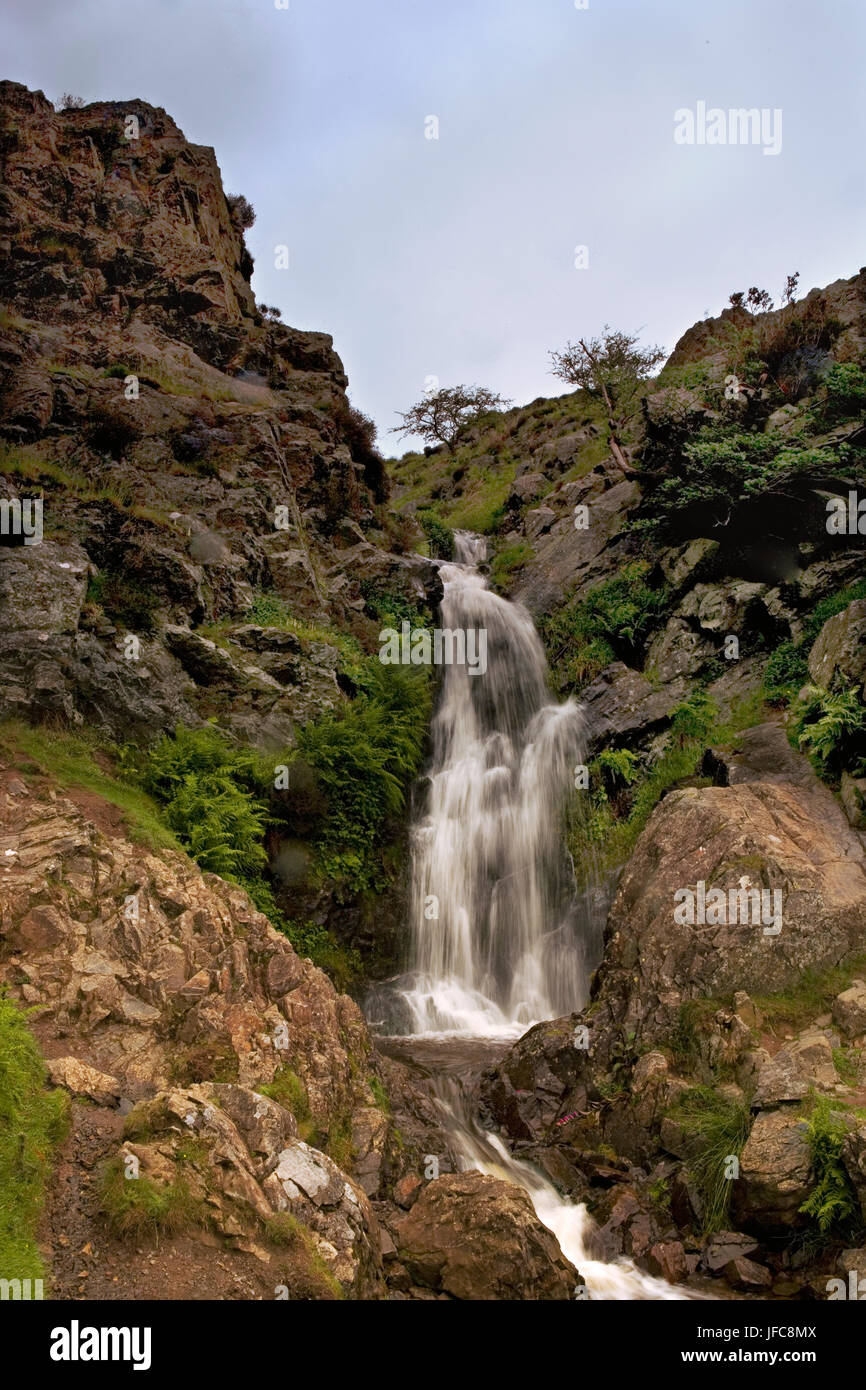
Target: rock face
477	1237
189	455
840	650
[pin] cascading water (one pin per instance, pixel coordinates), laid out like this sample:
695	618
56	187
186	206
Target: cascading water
495	920
500	937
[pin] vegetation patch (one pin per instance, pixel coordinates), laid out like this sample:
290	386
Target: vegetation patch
33	1122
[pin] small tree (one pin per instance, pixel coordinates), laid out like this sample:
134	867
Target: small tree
68	102
613	367
445	415
242	211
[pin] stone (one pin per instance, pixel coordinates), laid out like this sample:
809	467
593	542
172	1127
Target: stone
476	1237
82	1080
775	1173
849	1009
853	796
840	648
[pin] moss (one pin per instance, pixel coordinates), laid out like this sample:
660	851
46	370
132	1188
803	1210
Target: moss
33	1123
380	1095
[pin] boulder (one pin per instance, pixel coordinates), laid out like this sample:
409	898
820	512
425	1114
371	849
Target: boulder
476	1237
839	651
82	1080
849	1009
775	1173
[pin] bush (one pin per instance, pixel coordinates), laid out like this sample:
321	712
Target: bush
213	796
140	1208
843	393
613	620
440	537
831	727
364	759
241	210
785	672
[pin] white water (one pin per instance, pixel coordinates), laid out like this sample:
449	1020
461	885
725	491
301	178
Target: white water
510	945
505	949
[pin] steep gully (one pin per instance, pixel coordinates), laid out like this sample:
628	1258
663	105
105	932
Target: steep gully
500	936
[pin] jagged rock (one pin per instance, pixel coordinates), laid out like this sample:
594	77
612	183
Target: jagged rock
621	705
725	1246
688	564
668	1259
797	1068
741	1273
678	651
775	1173
83	1080
849	1009
245	1166
840	648
167	973
477	1237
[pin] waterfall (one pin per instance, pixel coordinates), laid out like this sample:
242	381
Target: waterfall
495	920
500	937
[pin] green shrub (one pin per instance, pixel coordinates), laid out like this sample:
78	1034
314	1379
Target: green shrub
830	725
32	1125
508	561
213	800
440	537
785	672
364	759
832	1202
389	608
843	393
613	620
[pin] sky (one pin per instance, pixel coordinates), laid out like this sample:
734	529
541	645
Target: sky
455	257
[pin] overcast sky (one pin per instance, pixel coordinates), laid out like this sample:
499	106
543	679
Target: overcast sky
454	257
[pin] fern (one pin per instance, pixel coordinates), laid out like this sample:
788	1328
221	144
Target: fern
832	1201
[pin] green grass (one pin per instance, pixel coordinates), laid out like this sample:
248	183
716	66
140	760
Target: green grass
509	561
71	760
140	1208
32	1125
812	995
285	1230
380	1095
288	1090
717	1127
